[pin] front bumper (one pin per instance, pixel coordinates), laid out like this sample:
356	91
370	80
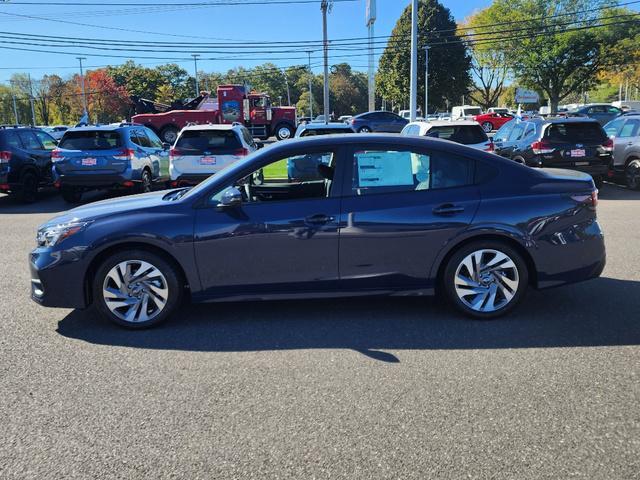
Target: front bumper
58	278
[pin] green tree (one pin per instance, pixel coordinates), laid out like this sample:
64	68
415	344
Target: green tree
556	59
449	62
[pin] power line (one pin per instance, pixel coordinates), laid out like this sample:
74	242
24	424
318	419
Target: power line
189	4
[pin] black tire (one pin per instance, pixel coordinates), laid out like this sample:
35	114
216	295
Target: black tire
28	187
145	184
284	131
487	127
450	271
364	130
174	284
519	160
169	134
632	175
599	181
71	194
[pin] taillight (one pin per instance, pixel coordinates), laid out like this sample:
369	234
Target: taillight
607	146
5	156
56	155
352	121
490	147
125	154
174	152
541	147
590	199
241	152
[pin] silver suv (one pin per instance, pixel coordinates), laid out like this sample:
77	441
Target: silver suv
625	132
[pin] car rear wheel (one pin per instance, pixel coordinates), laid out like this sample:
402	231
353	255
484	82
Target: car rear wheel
632	174
136	289
71	194
169	134
145	182
485	279
487	127
29	187
364	130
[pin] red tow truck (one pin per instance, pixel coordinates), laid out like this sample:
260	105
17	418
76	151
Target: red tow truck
234	103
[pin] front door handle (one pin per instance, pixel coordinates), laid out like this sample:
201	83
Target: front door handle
319	219
448	209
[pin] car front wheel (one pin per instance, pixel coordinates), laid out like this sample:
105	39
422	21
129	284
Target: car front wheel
487	127
136	289
485	279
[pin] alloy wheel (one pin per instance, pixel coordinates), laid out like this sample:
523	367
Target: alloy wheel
486	280
135	291
284	133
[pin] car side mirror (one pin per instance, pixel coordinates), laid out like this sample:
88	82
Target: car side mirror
231	198
166	145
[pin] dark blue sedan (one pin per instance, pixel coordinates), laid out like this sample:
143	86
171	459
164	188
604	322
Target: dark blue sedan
390	215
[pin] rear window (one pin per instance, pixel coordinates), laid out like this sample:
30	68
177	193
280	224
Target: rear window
325	131
96	140
473	111
587	132
199	141
464	134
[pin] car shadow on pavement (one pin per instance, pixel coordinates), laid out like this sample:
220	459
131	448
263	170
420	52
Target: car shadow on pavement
613	191
601	312
49	201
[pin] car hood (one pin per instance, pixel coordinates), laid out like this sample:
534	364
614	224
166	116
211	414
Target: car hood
111	207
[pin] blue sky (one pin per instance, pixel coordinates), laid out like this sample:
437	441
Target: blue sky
251	24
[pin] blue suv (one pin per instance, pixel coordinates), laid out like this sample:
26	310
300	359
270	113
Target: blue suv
120	156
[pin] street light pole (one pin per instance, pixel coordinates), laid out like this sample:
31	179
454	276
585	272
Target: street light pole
370	20
426	81
413	88
84	93
15	107
324	6
195	63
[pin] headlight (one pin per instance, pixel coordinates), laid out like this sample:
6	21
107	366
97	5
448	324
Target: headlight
51	235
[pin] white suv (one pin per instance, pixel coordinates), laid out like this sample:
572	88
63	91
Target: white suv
466	132
202	150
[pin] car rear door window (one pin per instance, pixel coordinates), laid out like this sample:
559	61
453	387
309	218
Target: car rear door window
140	138
11	139
29	140
630	129
46	140
153	138
388	171
91	140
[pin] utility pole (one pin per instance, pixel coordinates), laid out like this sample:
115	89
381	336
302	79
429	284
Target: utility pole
324	6
426	81
286	81
195	63
84	93
15	107
413	87
310	90
371	18
33	110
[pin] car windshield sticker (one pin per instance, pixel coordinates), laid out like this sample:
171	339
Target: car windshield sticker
383	169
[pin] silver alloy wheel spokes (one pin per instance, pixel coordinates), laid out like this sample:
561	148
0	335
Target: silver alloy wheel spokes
135	291
486	280
284	133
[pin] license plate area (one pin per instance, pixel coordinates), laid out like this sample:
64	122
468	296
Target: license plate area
208	160
89	162
578	152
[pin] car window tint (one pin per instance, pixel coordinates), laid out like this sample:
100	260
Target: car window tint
46	140
90	140
29	140
578	132
612	128
503	133
11	139
196	142
389	171
630	129
530	130
464	134
517	132
153	138
143	140
613	110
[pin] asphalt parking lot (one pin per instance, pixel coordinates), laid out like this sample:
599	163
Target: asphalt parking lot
357	388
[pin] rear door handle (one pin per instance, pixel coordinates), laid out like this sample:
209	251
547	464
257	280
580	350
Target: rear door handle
319	219
448	209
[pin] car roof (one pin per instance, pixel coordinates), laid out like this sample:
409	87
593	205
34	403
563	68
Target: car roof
445	123
213	126
560	120
317	126
373	111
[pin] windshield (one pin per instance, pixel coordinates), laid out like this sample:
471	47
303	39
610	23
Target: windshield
91	140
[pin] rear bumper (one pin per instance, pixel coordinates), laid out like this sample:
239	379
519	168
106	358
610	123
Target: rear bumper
57	278
190	179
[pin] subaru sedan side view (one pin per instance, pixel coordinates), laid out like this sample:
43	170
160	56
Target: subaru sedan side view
391	215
